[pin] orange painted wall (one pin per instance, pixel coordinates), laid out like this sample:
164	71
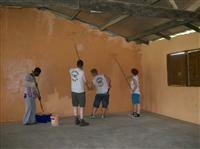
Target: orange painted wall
29	38
177	102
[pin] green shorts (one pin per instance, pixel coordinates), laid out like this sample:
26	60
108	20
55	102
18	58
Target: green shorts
78	99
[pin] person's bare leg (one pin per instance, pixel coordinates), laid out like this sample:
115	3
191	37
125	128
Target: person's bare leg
77	121
138	108
94	111
81	112
104	112
75	109
135	108
82	121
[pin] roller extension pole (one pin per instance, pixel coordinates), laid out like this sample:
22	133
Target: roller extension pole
77	53
122	71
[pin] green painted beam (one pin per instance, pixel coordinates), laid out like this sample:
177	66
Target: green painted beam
141	41
163	35
75	14
59	13
192	26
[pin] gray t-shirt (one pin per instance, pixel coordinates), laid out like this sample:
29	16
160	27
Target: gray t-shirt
77	80
100	84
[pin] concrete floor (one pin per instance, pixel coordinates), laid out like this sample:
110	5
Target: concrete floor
116	131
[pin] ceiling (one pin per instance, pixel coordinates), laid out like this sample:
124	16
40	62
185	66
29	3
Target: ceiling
141	21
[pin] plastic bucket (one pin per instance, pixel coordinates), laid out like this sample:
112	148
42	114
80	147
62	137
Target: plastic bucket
43	118
54	120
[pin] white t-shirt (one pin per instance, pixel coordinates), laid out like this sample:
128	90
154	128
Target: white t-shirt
77	80
136	78
100	84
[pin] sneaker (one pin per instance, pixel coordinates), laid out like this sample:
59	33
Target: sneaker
103	116
137	115
33	123
77	121
83	123
134	113
93	117
131	115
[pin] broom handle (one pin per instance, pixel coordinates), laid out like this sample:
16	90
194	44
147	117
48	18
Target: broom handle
122	71
78	56
41	106
77	53
38	91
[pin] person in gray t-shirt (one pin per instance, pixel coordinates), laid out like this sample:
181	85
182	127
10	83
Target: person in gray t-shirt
102	85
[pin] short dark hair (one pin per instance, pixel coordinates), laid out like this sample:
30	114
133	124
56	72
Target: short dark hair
134	71
79	63
37	69
94	71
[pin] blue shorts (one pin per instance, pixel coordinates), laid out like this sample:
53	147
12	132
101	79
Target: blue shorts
104	98
135	98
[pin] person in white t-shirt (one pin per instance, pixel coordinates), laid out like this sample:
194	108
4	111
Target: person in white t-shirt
78	83
102	84
31	92
135	92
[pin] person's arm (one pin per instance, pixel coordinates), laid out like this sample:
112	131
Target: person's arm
86	81
108	80
87	85
128	77
92	86
135	85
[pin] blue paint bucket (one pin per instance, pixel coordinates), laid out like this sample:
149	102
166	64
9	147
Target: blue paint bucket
43	118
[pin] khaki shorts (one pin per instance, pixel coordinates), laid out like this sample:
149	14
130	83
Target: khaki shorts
78	99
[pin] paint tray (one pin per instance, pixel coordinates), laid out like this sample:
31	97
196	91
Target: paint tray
43	118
